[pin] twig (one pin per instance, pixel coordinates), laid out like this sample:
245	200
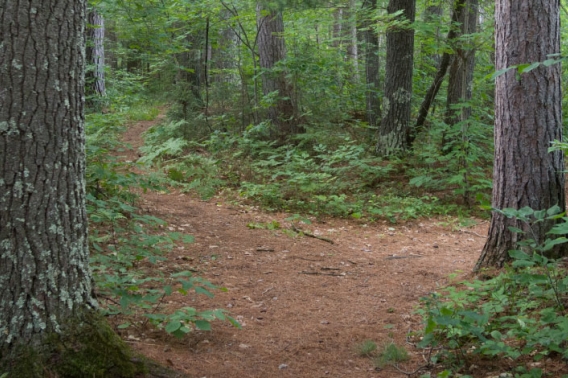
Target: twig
473	233
402	257
311	235
303	258
321	274
409	373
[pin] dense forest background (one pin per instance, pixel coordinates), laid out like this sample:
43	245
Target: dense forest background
294	102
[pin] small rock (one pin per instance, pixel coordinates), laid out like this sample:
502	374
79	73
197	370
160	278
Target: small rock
283	366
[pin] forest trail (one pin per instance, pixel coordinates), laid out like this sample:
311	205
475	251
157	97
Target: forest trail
304	303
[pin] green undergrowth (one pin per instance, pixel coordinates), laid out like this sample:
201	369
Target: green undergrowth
518	317
318	173
127	245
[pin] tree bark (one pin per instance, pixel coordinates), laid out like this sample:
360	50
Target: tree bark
272	49
394	131
528	117
372	66
44	257
95	51
462	66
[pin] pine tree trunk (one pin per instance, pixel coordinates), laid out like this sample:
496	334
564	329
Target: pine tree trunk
372	65
462	66
272	49
95	51
44	258
394	132
528	117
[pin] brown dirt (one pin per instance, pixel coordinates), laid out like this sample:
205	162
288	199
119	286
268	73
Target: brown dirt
304	303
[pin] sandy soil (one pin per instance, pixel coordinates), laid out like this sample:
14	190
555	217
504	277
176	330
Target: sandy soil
304	303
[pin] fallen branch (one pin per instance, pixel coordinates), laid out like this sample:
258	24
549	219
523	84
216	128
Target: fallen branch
311	235
322	274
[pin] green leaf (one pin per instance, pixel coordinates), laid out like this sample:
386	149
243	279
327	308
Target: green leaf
173	326
124	325
501	72
519	255
168	290
203	325
202	290
549	244
515	230
524	68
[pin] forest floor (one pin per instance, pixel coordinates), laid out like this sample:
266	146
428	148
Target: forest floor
304	302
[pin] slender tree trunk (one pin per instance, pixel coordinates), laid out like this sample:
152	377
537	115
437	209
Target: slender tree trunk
432	15
462	66
272	49
337	31
372	65
528	117
44	256
95	51
394	132
440	74
352	44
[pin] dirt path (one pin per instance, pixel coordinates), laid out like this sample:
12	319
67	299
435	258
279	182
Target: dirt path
304	303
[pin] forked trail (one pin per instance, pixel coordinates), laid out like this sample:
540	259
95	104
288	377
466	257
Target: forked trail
304	303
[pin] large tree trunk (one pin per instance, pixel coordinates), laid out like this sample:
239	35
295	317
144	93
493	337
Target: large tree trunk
272	49
372	65
44	257
463	64
528	117
95	51
394	132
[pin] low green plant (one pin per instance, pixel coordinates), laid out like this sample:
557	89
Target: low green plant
391	354
366	349
519	314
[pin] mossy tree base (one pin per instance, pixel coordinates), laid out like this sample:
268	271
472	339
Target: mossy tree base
89	348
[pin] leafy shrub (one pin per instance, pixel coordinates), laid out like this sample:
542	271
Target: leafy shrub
518	315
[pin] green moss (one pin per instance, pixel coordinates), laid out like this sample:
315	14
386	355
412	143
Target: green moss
89	348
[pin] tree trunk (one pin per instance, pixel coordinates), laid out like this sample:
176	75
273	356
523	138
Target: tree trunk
44	257
372	65
463	64
432	15
272	49
95	51
528	117
394	132
440	74
352	44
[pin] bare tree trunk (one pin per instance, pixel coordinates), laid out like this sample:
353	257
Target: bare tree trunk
372	65
352	44
272	49
95	52
394	132
462	66
528	117
44	256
